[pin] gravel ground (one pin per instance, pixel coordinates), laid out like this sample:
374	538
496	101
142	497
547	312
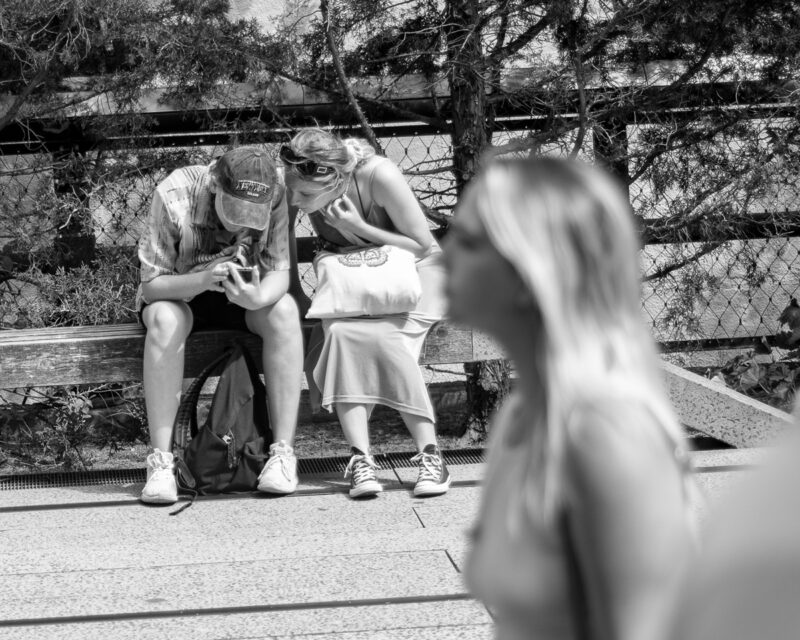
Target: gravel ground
319	436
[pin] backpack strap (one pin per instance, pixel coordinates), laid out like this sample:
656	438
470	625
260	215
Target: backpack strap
255	380
181	468
185	427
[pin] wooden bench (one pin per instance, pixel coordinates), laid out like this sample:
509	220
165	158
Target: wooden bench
113	353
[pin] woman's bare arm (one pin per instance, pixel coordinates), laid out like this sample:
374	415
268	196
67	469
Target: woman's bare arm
391	191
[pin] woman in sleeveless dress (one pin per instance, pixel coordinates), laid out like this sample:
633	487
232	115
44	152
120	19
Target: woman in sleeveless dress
585	523
354	364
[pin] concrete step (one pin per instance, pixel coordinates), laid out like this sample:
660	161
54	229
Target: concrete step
436	620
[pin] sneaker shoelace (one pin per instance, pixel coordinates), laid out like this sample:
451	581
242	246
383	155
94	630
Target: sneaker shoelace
159	462
362	467
430	466
281	457
161	473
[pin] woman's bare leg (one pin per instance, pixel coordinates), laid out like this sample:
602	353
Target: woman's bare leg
354	419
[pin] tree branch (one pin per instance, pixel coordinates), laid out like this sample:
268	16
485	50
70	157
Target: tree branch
330	37
667	269
22	97
614	27
684	138
317	86
581	82
531	142
701	61
522	40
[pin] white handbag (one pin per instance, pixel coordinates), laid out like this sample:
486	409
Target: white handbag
365	281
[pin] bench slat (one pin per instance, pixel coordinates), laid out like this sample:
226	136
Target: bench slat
113	353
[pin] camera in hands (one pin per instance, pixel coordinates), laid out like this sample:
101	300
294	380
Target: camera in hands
246	273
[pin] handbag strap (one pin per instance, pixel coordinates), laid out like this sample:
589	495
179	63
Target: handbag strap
364	213
358	192
351	237
579	602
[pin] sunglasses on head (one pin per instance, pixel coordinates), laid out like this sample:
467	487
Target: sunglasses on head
304	166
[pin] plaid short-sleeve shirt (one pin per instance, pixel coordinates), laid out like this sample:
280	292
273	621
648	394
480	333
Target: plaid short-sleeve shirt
184	233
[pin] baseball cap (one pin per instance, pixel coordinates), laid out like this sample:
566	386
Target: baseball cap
247	177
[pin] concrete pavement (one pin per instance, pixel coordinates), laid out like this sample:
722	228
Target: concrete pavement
92	562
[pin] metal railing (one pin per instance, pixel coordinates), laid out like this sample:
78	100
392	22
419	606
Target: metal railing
701	290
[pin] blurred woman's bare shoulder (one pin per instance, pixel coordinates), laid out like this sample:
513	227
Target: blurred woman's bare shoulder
610	415
616	437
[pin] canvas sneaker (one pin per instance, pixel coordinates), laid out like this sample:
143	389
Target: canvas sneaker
161	487
433	478
361	470
279	474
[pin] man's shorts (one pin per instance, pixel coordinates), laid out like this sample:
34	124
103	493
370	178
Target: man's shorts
213	310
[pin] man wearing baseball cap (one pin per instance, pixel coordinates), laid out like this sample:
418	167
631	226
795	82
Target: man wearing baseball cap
215	254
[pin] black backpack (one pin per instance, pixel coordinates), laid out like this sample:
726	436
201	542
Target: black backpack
228	452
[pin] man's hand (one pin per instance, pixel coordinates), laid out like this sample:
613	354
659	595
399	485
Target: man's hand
246	294
214	278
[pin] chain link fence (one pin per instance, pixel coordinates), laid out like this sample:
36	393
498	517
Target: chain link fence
736	289
69	225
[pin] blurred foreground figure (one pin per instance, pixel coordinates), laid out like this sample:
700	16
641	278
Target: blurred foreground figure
585	523
746	585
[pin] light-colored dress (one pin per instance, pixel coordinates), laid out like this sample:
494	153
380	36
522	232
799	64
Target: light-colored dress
520	566
374	360
521	577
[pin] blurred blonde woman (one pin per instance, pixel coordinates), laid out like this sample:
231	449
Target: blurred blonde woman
355	363
585	521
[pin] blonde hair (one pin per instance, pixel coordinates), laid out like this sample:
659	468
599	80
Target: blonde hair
328	149
568	231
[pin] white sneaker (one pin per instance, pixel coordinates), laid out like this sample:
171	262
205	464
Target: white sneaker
279	474
161	487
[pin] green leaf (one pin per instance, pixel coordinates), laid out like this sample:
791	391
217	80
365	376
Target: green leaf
751	376
782	390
